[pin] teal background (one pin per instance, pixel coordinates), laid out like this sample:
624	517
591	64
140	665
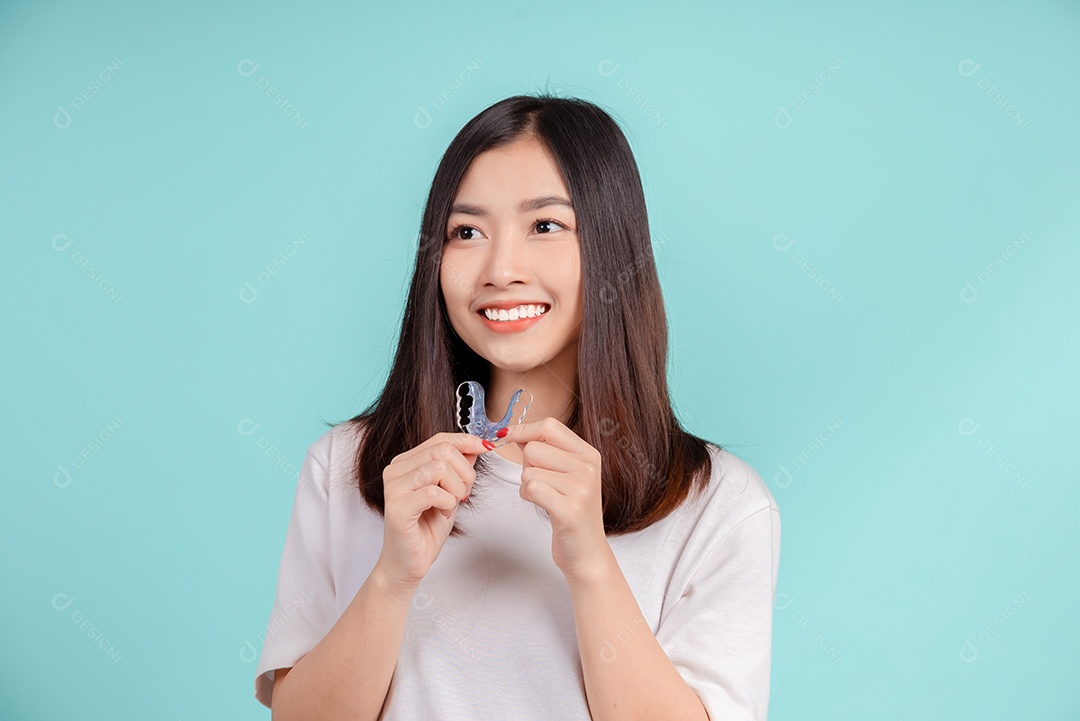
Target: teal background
869	263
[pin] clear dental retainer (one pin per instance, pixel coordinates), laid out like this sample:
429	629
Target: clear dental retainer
472	414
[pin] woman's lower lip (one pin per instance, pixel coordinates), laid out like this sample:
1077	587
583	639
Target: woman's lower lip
511	326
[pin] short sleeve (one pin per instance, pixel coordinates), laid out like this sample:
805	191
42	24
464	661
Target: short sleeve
303	610
718	634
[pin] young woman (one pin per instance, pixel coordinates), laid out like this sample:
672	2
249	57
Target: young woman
600	562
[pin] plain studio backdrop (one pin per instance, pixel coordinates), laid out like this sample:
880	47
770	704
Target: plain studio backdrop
865	221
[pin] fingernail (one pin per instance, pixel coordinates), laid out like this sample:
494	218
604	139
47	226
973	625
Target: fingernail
502	432
489	445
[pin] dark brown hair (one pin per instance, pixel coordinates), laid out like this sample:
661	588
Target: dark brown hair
623	409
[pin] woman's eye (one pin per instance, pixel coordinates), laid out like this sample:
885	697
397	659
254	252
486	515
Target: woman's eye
542	223
455	234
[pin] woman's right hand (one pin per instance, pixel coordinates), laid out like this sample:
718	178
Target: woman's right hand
421	491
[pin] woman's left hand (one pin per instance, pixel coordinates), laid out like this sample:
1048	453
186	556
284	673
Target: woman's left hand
561	474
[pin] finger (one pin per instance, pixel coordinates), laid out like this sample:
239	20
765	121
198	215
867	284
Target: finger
540	492
549	430
439	472
435	473
545	455
468	445
405	469
447	453
416	502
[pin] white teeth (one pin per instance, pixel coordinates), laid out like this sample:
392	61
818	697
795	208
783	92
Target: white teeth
522	311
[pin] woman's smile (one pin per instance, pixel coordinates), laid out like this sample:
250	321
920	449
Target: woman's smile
513	317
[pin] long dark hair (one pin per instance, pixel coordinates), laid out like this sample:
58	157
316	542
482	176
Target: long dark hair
623	409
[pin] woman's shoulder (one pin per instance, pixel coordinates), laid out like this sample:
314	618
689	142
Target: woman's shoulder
734	492
334	451
336	440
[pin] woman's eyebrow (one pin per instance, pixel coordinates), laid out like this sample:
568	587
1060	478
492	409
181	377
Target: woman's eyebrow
525	206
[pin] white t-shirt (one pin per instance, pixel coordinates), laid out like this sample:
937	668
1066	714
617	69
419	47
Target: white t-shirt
490	629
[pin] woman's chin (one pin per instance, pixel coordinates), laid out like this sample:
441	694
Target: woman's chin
514	365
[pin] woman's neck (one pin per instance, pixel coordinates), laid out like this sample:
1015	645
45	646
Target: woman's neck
553	386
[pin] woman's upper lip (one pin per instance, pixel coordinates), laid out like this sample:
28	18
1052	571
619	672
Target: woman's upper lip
508	304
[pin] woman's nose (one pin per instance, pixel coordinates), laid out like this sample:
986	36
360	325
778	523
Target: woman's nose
506	260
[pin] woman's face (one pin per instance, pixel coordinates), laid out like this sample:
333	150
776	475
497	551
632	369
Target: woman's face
512	242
